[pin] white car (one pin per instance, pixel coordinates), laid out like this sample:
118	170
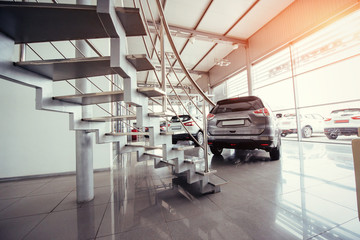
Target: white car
310	123
342	122
181	134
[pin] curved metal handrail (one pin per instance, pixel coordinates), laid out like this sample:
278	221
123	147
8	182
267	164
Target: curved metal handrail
159	59
167	77
172	44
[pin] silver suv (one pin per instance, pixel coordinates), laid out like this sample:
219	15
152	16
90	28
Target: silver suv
243	123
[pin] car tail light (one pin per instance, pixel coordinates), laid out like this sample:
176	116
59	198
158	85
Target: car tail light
262	111
210	116
356	117
327	119
189	124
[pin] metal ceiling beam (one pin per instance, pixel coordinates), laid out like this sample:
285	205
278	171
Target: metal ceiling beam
200	35
237	21
196	26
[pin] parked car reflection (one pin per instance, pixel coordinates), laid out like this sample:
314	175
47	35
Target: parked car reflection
344	122
310	123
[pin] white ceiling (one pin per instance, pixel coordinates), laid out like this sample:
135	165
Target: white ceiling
238	19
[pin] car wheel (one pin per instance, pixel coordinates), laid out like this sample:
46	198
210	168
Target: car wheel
275	154
331	136
216	150
199	138
306	132
283	134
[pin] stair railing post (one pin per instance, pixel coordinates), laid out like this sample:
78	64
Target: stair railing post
84	139
163	69
205	143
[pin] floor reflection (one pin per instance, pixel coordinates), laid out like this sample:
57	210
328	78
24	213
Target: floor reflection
308	194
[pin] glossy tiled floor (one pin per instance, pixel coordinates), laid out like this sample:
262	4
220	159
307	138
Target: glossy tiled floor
308	194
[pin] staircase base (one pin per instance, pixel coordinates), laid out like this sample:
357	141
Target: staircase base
196	189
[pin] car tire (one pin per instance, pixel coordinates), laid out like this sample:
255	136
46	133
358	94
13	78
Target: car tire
283	134
332	136
306	132
275	154
199	138
216	150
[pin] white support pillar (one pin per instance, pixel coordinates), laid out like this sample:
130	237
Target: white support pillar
249	72
84	139
296	95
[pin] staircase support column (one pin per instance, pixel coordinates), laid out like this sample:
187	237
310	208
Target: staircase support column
84	167
84	139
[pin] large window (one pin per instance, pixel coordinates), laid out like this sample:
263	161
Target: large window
273	81
237	85
316	75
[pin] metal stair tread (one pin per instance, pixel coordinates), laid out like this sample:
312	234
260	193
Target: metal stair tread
161	114
64	69
110	118
131	20
93	98
216	180
194	161
27	22
211	171
151	91
127	134
141	62
153	155
168	163
144	146
182	148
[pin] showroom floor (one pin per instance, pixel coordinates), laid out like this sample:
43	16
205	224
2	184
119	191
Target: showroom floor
308	194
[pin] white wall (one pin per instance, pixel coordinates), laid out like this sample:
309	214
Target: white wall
35	142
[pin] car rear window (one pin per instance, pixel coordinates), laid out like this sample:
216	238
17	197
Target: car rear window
183	118
346	111
238	105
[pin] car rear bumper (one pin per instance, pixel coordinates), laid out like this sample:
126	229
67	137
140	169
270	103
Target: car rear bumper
182	136
341	131
252	142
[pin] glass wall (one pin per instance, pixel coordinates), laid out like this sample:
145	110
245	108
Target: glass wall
237	85
272	81
326	67
312	80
